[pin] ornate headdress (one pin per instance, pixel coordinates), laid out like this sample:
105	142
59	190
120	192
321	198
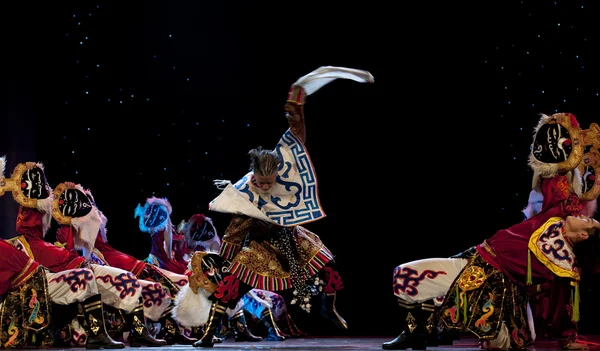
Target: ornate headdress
29	188
200	233
208	269
557	147
155	216
72	206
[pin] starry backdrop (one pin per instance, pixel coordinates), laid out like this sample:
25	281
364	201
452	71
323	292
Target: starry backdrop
157	98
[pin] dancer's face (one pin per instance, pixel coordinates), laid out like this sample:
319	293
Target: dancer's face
265	183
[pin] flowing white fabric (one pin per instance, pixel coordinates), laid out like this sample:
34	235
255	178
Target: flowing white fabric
316	79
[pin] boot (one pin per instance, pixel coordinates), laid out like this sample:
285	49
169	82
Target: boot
240	328
291	328
169	330
431	323
328	311
140	336
98	338
214	320
413	335
273	331
445	336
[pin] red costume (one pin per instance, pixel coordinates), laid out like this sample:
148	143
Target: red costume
56	259
17	267
160	255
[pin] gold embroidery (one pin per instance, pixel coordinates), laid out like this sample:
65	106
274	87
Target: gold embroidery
471	278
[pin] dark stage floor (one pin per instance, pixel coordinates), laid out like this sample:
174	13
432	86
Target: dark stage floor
345	343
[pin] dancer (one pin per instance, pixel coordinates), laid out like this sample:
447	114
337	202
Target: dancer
269	205
69	205
499	274
107	255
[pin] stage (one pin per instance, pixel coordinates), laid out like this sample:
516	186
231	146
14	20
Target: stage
346	343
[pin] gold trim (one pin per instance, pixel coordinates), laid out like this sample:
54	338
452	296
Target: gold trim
198	279
58	216
22	273
559	271
13	184
591	138
21	239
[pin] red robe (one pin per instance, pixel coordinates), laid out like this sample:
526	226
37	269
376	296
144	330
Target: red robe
17	267
56	259
110	255
510	245
165	262
511	249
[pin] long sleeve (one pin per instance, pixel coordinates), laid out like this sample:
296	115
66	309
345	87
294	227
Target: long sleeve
165	262
294	109
17	267
118	259
56	259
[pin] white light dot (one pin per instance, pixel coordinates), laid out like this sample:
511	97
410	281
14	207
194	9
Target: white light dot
169	35
86	93
89	128
147	99
120	101
76	172
97	66
167	184
108	99
164	169
73	151
248	125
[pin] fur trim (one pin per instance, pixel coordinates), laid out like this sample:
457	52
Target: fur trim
2	166
45	207
103	230
191	310
86	230
534	204
103	219
160	201
590	208
575	181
